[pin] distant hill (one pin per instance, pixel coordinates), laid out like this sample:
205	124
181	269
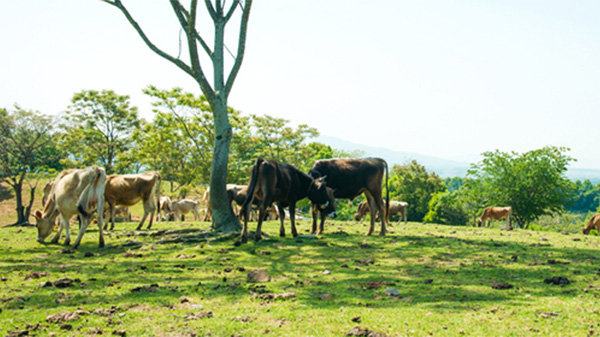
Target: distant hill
443	167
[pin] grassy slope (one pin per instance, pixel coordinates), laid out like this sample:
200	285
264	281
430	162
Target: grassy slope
444	276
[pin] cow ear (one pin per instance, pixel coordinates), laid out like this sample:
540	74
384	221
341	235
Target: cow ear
37	214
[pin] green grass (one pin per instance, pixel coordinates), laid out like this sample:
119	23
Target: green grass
444	276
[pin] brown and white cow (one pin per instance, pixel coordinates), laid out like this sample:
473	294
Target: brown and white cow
284	184
396	208
79	192
351	177
129	189
185	206
494	213
165	208
594	223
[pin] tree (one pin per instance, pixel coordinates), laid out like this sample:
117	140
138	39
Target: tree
98	128
26	145
447	208
587	199
216	93
533	183
413	184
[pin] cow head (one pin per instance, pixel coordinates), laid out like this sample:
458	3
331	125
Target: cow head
322	196
44	225
586	230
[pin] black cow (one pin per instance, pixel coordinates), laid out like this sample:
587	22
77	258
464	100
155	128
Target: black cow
349	178
284	184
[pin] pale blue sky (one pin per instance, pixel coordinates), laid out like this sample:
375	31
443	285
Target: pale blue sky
445	78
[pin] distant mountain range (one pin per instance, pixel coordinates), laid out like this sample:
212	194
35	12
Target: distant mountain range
443	167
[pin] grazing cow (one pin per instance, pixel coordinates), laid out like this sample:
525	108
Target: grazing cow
129	189
284	184
50	184
396	208
164	206
494	213
184	206
351	177
593	224
122	211
79	192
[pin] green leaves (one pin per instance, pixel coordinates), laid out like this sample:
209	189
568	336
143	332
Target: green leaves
98	126
533	183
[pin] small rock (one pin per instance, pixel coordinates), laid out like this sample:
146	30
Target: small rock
258	276
88	254
392	292
326	272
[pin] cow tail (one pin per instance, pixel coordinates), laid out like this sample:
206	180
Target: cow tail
251	185
387	194
93	192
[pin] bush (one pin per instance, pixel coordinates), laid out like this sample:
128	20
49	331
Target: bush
446	208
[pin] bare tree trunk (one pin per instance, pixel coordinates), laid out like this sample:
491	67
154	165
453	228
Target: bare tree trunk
222	215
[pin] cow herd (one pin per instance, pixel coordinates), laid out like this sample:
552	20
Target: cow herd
87	191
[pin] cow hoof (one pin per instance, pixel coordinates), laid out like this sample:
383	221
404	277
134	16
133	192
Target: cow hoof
138	228
75	246
382	233
282	234
67	242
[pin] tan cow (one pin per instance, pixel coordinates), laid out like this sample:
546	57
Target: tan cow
164	206
396	208
129	189
80	192
185	206
593	224
208	210
494	213
122	211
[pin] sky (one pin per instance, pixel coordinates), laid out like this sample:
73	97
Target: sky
450	79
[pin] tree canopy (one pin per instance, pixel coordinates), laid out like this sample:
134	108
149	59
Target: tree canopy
532	183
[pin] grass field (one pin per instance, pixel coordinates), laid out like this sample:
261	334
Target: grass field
420	280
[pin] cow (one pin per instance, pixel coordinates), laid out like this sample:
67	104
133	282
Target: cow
50	184
164	206
594	223
349	178
273	182
184	206
207	210
129	189
119	211
494	213
396	208
79	192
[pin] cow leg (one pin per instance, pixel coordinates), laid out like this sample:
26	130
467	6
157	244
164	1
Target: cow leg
60	228
262	210
292	217
322	224
373	208
246	214
196	215
143	219
314	216
85	222
281	219
152	208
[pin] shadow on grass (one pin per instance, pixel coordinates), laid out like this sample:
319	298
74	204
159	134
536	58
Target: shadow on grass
447	272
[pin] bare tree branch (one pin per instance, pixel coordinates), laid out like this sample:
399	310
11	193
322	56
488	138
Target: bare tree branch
241	48
231	10
211	10
198	37
154	48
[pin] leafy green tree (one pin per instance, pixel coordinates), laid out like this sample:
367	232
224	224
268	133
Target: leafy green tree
587	197
275	140
413	184
454	183
98	128
447	208
26	145
217	92
532	183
